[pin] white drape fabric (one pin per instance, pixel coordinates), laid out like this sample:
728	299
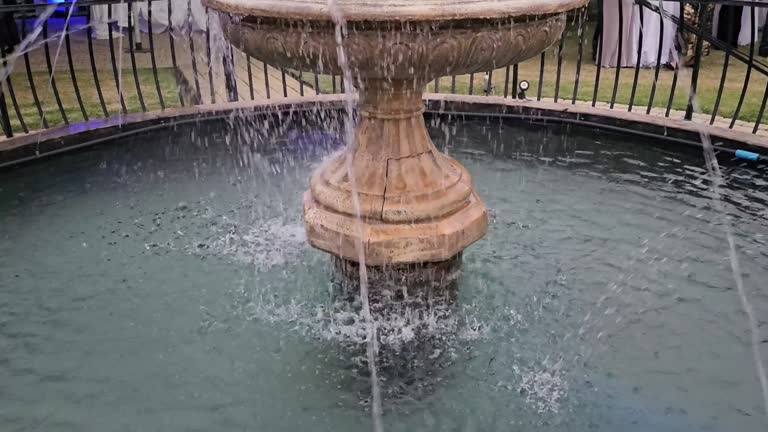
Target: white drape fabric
184	14
652	25
619	24
629	17
745	34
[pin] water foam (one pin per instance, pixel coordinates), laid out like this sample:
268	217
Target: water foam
400	324
544	388
273	242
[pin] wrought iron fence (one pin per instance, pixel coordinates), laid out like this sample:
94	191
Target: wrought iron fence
76	61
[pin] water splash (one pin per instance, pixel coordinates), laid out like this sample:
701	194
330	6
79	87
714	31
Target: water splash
349	135
264	245
400	324
544	387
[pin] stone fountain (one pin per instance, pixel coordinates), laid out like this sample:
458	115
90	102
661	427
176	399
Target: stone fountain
417	206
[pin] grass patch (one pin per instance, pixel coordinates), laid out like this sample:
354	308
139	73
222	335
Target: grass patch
166	77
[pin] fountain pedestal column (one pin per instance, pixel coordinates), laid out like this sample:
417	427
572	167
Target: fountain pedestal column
416	205
417	209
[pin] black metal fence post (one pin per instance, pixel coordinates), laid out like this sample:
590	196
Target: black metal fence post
152	52
638	61
132	51
695	74
748	74
12	94
94	71
31	80
597	44
619	58
580	55
4	119
52	81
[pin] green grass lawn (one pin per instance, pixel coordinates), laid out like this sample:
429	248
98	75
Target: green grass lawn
709	81
85	81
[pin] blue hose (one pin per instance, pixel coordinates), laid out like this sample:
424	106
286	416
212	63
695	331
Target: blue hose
748	155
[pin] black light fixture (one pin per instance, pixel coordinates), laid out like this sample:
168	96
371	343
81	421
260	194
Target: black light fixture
524	86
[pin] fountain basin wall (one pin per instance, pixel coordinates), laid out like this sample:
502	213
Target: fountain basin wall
169	271
51	142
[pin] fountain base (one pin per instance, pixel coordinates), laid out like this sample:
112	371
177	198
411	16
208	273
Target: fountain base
427	281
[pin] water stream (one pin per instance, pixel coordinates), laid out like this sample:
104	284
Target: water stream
717	181
56	56
350	140
28	44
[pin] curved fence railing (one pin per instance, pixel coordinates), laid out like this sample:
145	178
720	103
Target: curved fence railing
69	62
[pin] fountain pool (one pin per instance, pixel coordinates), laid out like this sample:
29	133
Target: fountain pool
163	282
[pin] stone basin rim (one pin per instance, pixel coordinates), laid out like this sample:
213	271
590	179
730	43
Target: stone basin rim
395	10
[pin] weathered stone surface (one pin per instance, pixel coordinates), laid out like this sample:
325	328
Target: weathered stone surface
395	10
418	51
388	244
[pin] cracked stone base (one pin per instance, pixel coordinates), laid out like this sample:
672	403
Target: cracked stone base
394	244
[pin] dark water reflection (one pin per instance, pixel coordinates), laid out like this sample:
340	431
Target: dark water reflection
163	283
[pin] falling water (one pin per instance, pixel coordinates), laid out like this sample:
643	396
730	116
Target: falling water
27	45
349	137
716	176
220	61
58	51
713	168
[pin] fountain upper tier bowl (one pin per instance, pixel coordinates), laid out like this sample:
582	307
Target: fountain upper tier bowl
395	39
395	10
